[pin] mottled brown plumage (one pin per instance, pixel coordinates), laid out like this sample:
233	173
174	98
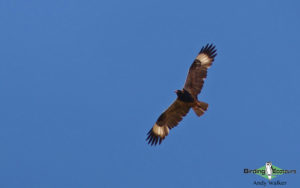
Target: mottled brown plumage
187	98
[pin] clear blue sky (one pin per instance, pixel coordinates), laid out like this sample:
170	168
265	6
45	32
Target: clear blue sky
82	82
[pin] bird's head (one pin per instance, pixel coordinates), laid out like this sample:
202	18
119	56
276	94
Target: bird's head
268	164
179	92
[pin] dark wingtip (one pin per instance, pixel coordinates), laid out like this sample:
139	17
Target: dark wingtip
153	139
210	50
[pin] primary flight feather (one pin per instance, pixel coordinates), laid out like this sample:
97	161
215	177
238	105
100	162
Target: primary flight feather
187	98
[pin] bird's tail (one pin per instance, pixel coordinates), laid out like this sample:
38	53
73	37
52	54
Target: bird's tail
200	108
269	177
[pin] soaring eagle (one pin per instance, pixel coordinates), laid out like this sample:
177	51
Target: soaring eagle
186	98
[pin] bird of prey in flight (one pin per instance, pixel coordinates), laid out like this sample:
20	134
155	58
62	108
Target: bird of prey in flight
187	98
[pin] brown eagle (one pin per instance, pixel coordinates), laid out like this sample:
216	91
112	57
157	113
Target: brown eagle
186	98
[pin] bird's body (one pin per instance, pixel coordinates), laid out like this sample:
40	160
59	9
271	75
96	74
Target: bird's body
187	98
269	170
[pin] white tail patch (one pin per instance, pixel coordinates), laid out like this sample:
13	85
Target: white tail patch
160	131
205	59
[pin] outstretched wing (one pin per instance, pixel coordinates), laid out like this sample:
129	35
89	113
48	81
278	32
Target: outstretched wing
167	120
198	70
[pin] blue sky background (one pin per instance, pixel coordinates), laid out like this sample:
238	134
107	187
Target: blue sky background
82	82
